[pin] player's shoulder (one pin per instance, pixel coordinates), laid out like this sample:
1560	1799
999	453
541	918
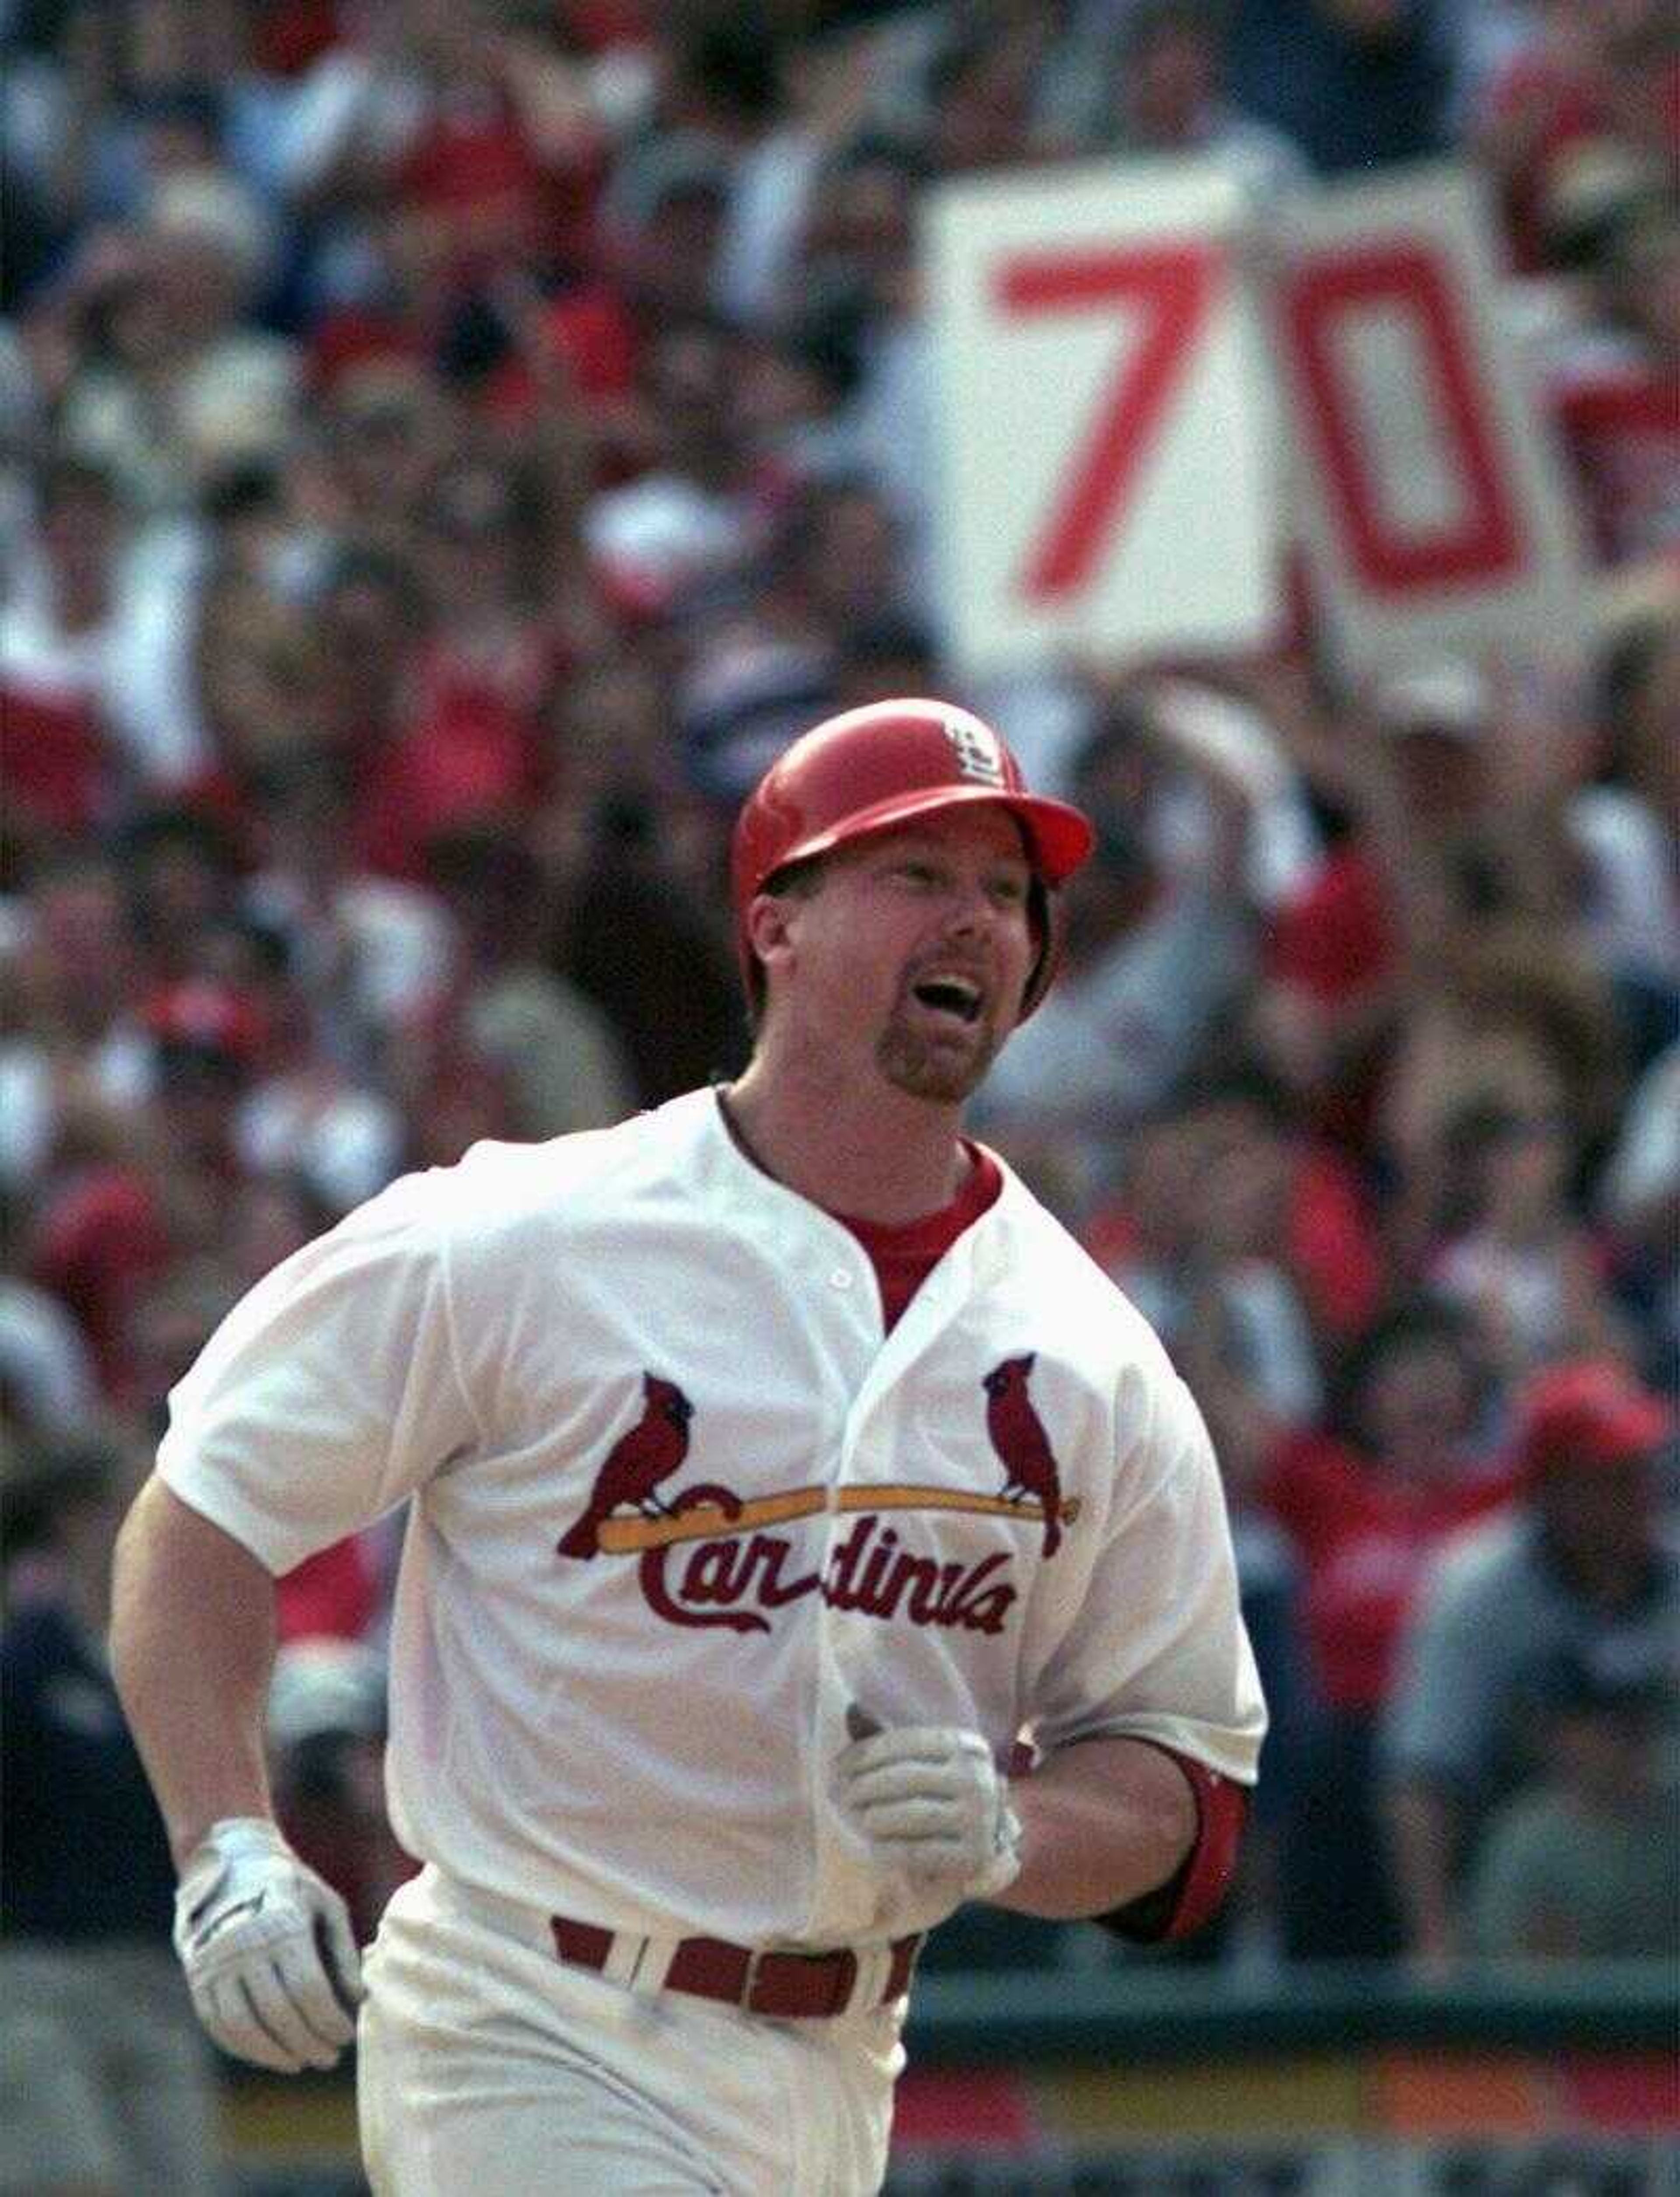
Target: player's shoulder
497	1186
1048	1259
493	1174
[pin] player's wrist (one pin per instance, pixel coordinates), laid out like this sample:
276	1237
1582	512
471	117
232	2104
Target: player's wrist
235	1838
244	1833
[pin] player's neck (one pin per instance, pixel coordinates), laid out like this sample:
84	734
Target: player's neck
875	1154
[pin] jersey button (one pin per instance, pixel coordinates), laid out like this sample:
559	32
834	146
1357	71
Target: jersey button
841	1278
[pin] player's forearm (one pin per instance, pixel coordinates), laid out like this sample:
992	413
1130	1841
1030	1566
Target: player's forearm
192	1648
1102	1823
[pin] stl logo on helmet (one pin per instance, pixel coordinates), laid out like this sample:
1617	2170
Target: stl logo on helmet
704	1552
979	752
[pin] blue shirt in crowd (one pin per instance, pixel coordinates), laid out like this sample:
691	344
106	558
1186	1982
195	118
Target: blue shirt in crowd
1348	103
86	1855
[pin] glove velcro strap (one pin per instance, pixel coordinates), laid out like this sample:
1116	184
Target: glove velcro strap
234	1838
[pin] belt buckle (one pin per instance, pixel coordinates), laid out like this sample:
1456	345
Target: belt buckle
750	1980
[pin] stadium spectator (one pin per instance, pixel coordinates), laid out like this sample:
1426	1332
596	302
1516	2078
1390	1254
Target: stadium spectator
1583	1862
1624	820
1356	84
1160	938
1452	786
564	1067
1639	1201
181	873
1579	1567
176	380
1225	1180
1366	1498
693	518
1512	1250
1170	96
1616	387
1578	75
93	645
105	2076
47	1386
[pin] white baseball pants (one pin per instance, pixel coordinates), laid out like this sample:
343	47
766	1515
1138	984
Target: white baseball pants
486	2068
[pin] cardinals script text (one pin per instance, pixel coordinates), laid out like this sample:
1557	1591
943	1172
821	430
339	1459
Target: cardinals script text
868	1571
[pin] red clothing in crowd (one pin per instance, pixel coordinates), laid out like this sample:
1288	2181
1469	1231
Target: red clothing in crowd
1551	104
470	757
1334	936
475	170
332	1594
289	35
54	764
596	25
101	1239
1620	417
1328	1248
592	335
1363	1539
1551	109
1333	943
351	336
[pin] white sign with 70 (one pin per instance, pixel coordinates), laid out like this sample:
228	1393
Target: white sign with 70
1105	415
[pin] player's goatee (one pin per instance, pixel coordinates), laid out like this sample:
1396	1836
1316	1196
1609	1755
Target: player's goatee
926	1070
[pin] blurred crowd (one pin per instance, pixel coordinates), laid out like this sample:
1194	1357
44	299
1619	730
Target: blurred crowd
447	447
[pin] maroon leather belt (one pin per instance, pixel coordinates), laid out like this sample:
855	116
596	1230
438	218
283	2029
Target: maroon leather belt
783	1984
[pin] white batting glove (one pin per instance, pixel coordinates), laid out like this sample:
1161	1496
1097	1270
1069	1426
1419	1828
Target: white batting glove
928	1800
268	1948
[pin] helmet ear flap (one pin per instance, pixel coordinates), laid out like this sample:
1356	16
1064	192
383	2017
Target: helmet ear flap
1044	910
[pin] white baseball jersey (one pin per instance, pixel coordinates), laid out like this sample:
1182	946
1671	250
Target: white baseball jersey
678	1502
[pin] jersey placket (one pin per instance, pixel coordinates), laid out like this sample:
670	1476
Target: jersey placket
841	1886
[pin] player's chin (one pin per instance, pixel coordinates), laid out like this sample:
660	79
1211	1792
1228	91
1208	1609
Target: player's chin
944	1069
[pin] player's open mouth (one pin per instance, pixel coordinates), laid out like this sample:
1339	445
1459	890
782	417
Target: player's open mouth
950	995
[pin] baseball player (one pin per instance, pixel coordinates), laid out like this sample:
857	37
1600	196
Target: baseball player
780	1474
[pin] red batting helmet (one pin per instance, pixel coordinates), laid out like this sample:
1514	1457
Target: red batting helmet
872	768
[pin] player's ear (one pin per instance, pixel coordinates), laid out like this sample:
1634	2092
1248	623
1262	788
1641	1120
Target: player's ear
771	920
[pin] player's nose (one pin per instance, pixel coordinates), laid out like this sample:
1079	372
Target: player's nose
973	904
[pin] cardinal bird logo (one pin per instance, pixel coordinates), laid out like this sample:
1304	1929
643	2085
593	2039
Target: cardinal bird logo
642	1456
1018	1437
